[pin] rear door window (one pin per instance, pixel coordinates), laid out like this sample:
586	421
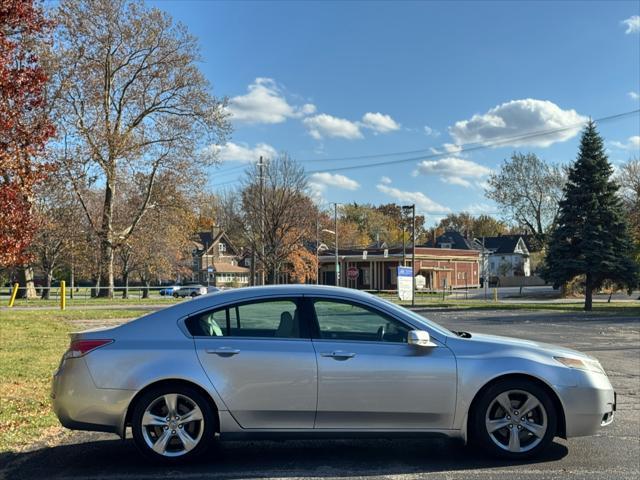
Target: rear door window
280	318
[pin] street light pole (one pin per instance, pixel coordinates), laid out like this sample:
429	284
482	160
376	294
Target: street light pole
413	257
317	247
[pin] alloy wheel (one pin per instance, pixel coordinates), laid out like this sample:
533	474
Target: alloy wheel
516	421
172	425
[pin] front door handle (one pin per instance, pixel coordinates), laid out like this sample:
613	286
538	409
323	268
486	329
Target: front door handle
223	351
339	354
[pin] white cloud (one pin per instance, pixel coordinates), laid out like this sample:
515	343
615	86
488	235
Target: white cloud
326	126
633	143
234	152
431	132
518	118
453	180
633	24
451	148
634	95
333	180
479	209
422	202
265	103
386	180
453	170
379	122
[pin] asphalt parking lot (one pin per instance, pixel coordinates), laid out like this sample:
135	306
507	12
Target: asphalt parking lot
613	454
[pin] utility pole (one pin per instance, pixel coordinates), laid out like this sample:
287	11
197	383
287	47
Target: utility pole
485	280
335	219
261	168
317	247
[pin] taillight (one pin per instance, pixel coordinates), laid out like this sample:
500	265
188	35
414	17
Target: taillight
78	348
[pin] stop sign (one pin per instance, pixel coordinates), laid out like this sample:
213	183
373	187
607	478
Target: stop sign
352	273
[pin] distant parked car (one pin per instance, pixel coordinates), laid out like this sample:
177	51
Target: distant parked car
190	291
168	291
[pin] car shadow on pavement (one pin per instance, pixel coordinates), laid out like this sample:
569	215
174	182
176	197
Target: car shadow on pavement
108	459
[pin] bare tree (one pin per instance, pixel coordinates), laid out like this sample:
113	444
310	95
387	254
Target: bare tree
528	190
131	102
277	213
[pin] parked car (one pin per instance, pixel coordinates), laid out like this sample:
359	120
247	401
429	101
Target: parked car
308	360
168	291
190	291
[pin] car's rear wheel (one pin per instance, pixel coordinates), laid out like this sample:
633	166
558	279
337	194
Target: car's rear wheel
173	423
514	419
175	295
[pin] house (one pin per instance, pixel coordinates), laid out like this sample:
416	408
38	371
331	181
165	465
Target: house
215	260
508	256
375	267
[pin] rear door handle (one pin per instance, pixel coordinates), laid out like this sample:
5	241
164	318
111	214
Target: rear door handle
223	351
338	354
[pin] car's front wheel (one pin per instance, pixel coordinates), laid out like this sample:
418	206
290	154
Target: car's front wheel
514	419
172	423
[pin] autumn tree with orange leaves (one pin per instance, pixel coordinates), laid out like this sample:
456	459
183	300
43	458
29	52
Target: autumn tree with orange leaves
24	124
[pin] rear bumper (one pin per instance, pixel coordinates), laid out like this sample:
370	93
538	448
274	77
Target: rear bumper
590	405
79	405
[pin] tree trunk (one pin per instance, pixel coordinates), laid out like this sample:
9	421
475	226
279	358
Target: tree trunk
145	290
588	294
106	243
46	291
25	279
125	280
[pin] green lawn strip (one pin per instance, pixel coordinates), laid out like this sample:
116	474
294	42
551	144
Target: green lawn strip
88	301
31	344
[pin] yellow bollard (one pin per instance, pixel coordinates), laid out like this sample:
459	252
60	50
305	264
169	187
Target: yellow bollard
63	294
16	287
495	294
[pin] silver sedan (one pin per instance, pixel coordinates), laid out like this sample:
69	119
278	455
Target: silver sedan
308	361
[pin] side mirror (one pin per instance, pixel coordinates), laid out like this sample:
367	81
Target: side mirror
420	338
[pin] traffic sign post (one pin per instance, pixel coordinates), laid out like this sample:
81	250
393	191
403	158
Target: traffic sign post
405	283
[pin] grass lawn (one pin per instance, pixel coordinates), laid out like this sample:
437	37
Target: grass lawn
31	344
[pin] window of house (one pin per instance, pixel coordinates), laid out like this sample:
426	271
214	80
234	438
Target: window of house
339	320
268	318
445	245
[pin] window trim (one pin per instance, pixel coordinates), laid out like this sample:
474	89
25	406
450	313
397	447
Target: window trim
316	335
305	327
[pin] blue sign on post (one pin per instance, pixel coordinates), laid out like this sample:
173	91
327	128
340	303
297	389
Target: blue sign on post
405	283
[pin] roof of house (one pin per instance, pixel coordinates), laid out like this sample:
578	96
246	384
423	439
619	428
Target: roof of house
206	239
503	243
456	239
221	267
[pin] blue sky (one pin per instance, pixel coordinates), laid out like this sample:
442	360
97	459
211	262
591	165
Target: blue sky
331	80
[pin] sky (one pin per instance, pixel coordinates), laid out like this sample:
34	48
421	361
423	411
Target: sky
416	83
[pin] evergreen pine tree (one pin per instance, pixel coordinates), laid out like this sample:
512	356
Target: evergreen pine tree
591	237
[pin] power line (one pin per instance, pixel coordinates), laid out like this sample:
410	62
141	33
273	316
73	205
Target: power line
465	148
476	147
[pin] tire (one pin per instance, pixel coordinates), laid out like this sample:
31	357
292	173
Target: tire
194	294
512	437
178	442
175	295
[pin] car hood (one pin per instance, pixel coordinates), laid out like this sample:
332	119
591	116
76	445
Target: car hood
497	341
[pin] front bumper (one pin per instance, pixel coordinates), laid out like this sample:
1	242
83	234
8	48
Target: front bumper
588	406
80	405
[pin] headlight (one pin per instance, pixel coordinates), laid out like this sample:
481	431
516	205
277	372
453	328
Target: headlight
581	364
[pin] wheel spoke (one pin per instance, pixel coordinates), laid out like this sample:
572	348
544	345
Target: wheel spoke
504	401
530	404
171	400
151	420
187	441
514	440
160	446
537	430
497	424
192	416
